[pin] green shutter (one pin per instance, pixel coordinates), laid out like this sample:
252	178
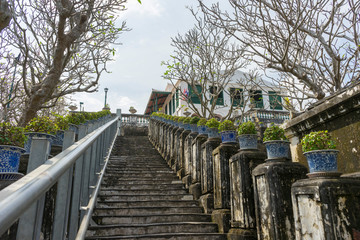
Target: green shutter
258	98
193	97
237	97
220	99
275	101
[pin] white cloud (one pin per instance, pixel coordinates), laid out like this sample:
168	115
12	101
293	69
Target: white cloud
146	8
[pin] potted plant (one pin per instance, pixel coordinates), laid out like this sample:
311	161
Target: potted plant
227	131
175	119
63	125
180	122
186	123
247	135
40	127
12	140
201	124
74	120
319	150
132	110
277	145
193	123
213	125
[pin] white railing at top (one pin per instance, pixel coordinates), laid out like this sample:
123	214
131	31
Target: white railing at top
135	119
78	172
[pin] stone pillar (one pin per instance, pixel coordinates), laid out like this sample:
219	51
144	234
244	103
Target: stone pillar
181	154
165	137
272	192
172	152
206	176
168	142
188	158
176	152
221	214
326	208
243	221
195	187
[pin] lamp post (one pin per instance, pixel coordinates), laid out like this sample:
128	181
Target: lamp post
106	90
81	103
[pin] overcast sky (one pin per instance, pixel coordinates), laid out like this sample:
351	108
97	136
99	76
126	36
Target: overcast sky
137	68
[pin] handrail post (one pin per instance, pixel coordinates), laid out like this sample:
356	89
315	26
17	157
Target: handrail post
63	195
118	113
30	222
76	191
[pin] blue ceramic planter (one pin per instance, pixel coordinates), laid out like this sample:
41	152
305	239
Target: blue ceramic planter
31	135
277	149
228	136
187	126
194	127
10	158
213	133
58	141
322	160
202	130
248	141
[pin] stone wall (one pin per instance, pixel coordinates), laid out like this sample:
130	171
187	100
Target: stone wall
340	115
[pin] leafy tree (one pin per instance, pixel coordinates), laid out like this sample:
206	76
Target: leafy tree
64	45
206	60
312	45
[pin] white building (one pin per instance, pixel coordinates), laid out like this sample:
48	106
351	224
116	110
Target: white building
266	98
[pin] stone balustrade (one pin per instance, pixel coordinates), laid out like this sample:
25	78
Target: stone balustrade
251	197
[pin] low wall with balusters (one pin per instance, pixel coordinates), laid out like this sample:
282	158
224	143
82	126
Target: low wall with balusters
252	197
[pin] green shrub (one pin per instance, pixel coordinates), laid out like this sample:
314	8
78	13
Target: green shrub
11	135
61	122
226	125
202	122
181	119
42	124
247	128
317	141
194	120
212	123
187	120
274	133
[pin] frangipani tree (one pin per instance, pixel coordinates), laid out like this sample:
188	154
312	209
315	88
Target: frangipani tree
64	46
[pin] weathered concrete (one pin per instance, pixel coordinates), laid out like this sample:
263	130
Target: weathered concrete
221	214
207	202
176	165
207	162
272	193
243	221
195	187
181	154
326	208
188	158
338	114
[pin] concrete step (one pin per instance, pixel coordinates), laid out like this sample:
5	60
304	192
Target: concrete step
142	172
144	175
146	197
154	228
145	210
138	181
160	203
114	191
166	236
129	186
152	218
134	177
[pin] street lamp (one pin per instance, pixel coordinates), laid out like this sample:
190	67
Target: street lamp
106	90
81	103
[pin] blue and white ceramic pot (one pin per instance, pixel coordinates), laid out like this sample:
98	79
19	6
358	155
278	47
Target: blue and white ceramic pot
74	128
322	160
277	149
58	141
248	141
187	126
213	133
10	158
202	130
228	136
31	135
194	128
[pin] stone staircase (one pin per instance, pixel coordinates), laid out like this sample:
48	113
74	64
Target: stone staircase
141	198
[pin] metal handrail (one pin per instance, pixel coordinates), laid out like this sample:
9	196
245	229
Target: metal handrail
90	207
19	196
